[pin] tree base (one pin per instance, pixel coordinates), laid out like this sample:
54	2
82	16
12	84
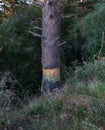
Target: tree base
49	86
51	80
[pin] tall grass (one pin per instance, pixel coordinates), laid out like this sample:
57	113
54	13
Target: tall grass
80	105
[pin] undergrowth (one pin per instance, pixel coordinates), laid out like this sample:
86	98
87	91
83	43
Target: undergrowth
79	106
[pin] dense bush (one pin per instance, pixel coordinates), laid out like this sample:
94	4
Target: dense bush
93	72
92	29
21	51
84	36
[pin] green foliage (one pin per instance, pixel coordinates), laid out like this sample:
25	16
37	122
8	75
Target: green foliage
88	79
71	50
91	71
43	107
21	51
80	111
83	35
88	73
72	110
97	108
92	28
9	101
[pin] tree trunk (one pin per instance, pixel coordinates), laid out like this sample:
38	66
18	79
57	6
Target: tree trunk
51	28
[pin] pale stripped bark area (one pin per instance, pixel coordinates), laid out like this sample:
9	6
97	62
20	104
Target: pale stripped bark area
41	0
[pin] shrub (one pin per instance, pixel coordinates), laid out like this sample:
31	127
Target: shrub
92	28
88	73
21	51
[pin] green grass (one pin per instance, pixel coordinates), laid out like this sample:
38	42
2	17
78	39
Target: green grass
71	110
80	106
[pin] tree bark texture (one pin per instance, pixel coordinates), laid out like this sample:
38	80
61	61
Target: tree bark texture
51	28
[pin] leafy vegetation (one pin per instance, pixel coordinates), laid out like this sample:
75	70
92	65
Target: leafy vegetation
80	105
92	29
21	51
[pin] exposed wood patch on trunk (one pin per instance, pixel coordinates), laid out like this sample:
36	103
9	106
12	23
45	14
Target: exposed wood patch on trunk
51	79
52	75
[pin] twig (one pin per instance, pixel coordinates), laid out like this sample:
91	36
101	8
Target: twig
1	48
102	44
34	34
16	81
38	28
62	43
68	16
38	3
88	124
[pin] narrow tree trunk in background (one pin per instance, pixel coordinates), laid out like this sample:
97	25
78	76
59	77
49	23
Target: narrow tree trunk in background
51	28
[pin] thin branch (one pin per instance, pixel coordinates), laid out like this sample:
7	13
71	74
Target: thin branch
68	16
38	28
1	48
38	3
62	43
16	81
102	44
90	125
41	1
34	34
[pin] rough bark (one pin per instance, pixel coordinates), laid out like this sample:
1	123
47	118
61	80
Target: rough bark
51	28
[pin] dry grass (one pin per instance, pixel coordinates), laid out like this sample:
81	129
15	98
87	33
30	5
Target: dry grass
79	106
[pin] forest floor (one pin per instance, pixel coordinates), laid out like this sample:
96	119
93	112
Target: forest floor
80	106
73	109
